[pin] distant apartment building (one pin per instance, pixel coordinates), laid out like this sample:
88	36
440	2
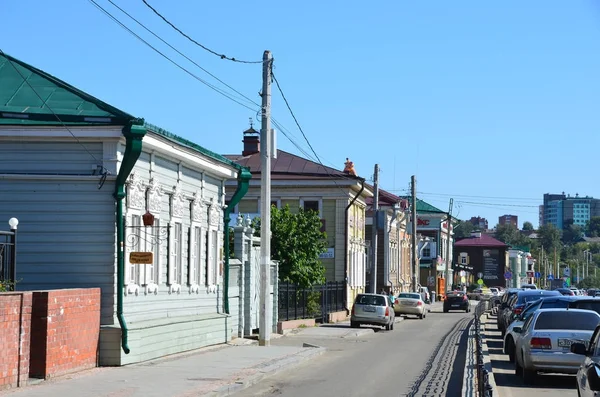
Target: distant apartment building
561	210
509	220
479	222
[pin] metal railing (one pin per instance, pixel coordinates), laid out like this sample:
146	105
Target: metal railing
8	260
299	303
484	389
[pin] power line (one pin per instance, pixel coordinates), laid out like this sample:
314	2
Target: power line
181	53
105	172
222	56
116	20
502	204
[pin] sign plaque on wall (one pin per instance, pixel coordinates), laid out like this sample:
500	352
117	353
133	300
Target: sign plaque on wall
141	258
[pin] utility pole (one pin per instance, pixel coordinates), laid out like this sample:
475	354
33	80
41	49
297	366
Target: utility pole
266	314
448	245
541	262
415	256
556	275
374	230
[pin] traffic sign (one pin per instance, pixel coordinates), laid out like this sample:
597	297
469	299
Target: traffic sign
508	275
550	277
479	275
538	274
480	282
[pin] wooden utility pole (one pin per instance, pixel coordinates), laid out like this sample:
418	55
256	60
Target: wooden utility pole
375	211
448	246
265	314
415	252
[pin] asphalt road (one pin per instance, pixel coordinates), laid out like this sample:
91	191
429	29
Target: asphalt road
418	358
509	385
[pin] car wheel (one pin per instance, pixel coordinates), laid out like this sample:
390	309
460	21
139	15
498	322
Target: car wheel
510	349
518	368
354	324
388	327
421	316
529	376
445	310
392	326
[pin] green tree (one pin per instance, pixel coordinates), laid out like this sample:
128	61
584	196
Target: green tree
571	233
463	229
549	237
510	235
528	226
296	242
592	228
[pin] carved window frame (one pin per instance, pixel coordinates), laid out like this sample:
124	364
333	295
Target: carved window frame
175	271
196	269
135	203
154	205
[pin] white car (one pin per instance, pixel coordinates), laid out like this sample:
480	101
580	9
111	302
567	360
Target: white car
410	303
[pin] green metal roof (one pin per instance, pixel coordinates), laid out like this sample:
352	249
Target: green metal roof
31	96
424	207
191	145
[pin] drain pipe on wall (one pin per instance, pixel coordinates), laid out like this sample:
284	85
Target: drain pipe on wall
243	179
133	134
362	181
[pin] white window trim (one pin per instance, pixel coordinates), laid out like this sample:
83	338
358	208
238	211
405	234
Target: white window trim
174	271
195	272
154	245
320	200
132	284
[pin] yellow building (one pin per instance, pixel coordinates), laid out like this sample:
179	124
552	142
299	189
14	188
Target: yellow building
338	196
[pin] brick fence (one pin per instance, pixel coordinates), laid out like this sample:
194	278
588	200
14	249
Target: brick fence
44	334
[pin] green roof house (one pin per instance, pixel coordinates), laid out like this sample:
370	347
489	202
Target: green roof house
90	185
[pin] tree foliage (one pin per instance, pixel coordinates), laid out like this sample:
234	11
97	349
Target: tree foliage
528	226
571	233
296	242
509	234
592	228
463	229
549	237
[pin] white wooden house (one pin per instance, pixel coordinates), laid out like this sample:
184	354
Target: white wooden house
90	185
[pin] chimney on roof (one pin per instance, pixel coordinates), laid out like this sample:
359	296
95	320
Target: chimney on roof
476	234
251	141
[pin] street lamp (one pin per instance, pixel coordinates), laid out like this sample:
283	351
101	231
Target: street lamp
13	223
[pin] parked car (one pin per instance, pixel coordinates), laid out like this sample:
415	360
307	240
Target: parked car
565	291
520	300
425	295
548	302
593	292
456	300
373	309
529	286
506	297
410	303
545	340
588	375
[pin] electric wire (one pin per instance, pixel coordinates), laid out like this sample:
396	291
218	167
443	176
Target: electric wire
222	56
105	172
216	89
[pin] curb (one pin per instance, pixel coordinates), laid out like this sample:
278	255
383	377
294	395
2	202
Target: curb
269	369
470	373
487	361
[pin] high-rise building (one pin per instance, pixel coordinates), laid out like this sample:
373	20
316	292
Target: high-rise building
561	210
479	222
509	220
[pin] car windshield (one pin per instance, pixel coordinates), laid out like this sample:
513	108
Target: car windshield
374	300
581	321
409	296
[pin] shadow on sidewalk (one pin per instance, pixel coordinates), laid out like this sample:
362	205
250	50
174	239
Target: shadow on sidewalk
458	366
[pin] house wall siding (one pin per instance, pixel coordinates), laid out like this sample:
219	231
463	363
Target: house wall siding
66	234
50	158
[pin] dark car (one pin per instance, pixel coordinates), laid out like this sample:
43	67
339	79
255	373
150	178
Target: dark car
518	302
456	301
508	295
565	291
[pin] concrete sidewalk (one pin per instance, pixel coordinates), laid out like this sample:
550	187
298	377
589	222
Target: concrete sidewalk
219	371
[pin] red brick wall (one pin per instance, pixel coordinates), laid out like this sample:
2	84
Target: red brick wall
65	331
15	322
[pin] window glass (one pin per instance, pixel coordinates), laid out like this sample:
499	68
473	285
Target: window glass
311	205
581	321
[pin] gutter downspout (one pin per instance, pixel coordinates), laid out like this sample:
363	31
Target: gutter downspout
133	147
243	179
362	181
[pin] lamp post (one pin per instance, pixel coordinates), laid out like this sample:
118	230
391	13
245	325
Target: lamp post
586	259
13	223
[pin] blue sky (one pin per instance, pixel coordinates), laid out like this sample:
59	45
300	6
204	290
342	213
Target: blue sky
492	104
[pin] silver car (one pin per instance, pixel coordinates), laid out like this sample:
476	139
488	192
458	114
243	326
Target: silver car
373	309
410	303
588	376
544	342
